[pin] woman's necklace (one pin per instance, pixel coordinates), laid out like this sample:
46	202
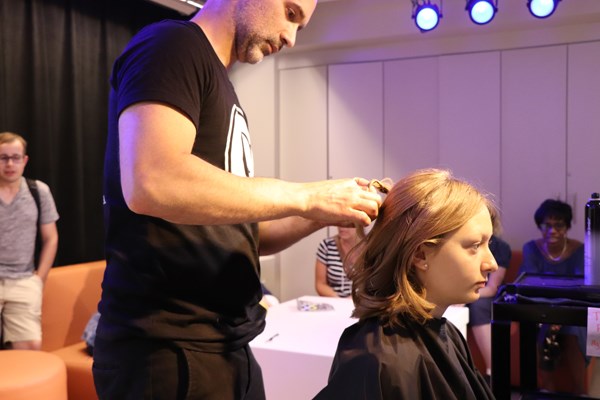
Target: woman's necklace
562	253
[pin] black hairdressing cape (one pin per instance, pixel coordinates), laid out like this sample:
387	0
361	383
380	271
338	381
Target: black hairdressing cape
411	362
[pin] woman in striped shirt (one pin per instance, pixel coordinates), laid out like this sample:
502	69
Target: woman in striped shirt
335	256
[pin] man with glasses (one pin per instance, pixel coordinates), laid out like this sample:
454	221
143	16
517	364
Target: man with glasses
22	274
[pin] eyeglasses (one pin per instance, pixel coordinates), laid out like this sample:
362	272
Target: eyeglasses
16	159
558	226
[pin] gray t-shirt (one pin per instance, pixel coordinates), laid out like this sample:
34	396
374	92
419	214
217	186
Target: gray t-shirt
18	229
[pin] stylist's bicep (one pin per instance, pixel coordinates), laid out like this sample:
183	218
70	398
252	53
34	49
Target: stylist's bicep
152	139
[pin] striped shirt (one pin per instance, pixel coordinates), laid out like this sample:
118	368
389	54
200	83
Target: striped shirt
337	279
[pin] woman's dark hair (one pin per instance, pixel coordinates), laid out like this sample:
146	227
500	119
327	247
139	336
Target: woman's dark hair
553	209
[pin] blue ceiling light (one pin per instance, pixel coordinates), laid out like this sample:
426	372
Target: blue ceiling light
482	12
426	15
542	8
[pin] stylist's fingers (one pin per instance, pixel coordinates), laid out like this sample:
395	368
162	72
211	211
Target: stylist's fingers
367	208
341	202
361	218
362	182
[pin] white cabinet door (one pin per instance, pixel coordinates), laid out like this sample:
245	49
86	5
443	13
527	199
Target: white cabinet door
411	122
583	140
356	120
303	158
533	127
469	90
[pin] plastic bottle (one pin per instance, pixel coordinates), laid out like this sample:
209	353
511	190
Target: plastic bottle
592	241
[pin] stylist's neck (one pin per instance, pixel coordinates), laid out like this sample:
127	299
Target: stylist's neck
216	21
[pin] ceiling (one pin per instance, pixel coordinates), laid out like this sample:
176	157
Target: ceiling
344	22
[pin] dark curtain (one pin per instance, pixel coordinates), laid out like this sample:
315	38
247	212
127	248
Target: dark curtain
55	61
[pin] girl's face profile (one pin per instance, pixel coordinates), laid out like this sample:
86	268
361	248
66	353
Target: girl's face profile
458	268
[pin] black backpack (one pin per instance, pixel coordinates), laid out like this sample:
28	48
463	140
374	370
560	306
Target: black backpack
38	237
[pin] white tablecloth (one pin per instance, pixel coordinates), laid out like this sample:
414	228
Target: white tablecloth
296	349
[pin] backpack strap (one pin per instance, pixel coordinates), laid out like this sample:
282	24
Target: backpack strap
32	185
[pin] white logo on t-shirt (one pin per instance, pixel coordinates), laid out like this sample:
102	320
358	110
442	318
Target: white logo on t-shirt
238	152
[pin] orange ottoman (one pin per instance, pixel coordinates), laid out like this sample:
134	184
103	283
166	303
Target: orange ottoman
29	374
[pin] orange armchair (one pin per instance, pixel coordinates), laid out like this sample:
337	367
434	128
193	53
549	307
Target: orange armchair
71	296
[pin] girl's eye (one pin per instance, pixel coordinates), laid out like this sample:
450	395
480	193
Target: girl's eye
291	14
476	246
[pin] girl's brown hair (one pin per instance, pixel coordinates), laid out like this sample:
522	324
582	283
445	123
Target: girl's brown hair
420	209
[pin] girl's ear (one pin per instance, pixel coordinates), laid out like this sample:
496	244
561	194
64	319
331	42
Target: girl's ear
420	258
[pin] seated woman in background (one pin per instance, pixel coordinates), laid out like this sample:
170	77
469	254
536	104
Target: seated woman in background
334	258
428	249
556	254
480	311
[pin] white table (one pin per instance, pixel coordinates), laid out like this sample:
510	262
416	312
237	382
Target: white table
296	349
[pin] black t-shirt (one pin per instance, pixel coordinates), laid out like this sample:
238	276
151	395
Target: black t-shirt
196	286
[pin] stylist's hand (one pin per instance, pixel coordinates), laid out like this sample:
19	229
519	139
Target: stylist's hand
341	202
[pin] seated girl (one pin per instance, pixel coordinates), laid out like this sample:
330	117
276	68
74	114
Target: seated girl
429	249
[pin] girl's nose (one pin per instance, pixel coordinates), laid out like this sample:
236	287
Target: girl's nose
490	265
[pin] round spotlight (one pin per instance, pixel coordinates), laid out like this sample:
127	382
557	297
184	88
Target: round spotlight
427	17
481	12
542	8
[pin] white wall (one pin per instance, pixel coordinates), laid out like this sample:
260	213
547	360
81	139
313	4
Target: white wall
534	108
536	130
303	157
257	92
583	173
